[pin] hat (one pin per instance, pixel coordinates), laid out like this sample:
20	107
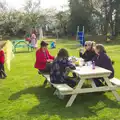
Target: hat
43	44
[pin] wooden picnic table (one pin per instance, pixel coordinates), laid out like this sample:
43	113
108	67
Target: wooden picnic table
87	73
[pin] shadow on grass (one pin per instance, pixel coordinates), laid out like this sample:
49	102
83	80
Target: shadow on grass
51	105
21	52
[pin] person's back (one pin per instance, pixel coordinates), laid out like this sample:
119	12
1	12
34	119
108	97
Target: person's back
58	70
103	60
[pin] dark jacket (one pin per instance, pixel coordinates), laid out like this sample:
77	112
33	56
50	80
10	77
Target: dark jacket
88	55
102	60
58	70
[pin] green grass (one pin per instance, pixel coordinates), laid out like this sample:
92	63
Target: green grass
22	96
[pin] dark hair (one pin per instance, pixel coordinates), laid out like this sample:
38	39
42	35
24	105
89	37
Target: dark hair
101	48
63	53
43	44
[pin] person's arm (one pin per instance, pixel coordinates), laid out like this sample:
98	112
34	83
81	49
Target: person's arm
50	56
70	65
83	55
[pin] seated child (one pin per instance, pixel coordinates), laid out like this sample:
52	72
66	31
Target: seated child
89	54
102	60
53	45
58	73
2	60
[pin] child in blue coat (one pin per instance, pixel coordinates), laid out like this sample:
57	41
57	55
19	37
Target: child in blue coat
53	45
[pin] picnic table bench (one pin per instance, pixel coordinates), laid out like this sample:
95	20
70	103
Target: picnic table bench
21	44
86	73
61	89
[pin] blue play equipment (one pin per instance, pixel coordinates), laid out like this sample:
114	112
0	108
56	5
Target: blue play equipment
81	38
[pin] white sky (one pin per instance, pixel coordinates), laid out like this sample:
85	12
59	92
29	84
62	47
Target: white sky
44	3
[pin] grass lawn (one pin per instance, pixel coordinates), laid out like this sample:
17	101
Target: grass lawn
22	96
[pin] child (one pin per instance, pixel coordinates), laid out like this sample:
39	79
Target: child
61	64
27	37
34	40
53	45
2	60
103	60
89	53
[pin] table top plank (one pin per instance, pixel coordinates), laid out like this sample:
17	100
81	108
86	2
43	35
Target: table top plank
87	70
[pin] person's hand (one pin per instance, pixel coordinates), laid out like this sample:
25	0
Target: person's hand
49	60
81	50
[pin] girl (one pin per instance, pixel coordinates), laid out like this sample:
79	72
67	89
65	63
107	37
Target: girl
89	53
102	60
34	40
2	61
58	73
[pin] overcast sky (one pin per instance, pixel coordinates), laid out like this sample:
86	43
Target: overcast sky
44	3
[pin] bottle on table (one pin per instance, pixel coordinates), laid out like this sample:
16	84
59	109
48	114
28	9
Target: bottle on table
93	65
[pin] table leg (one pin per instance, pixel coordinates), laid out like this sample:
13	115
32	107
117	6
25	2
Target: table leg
113	91
93	84
72	98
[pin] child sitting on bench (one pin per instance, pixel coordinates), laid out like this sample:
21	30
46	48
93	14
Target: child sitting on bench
58	73
53	45
104	61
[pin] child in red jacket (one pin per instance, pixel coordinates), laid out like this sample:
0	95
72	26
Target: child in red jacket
2	61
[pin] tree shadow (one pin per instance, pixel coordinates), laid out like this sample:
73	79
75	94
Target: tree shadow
21	52
51	105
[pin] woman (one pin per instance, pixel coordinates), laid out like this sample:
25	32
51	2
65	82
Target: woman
43	58
102	60
89	53
58	73
34	40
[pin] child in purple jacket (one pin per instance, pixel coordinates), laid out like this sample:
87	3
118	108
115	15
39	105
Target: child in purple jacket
102	60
